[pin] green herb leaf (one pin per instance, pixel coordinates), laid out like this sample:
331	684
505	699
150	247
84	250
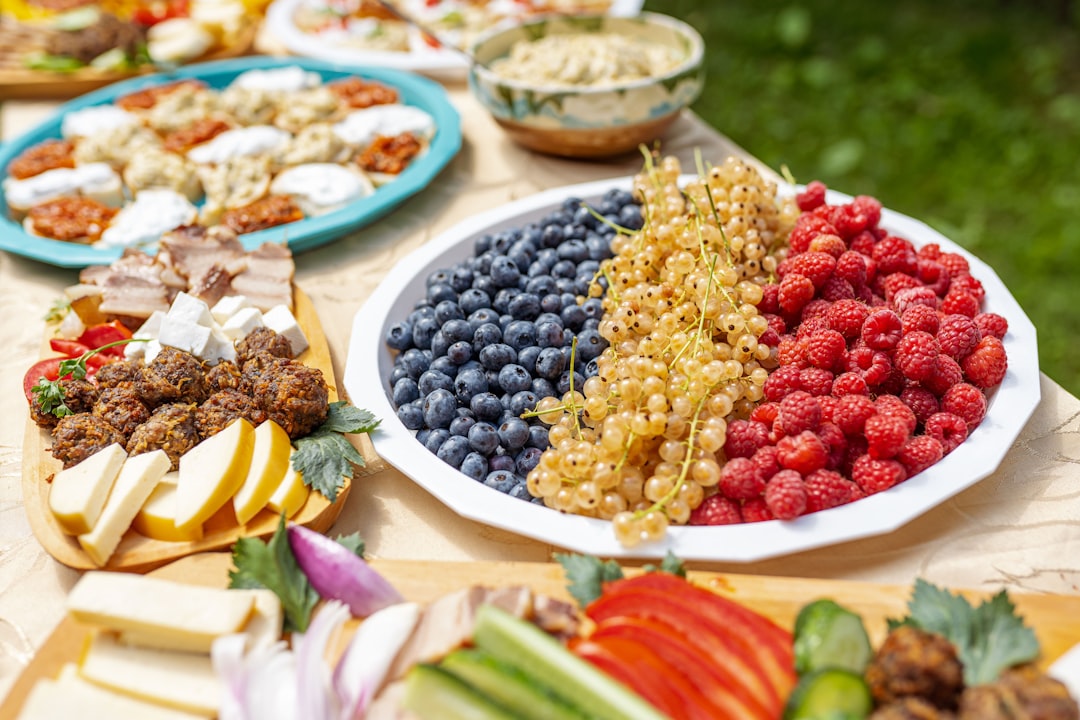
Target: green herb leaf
273	566
988	639
586	575
49	396
58	311
51	63
344	418
354	542
323	459
670	564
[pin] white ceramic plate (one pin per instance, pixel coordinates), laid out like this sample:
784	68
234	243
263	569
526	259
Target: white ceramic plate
369	364
444	63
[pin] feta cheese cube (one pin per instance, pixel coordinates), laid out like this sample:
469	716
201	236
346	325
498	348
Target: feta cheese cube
240	324
228	306
185	335
281	320
152	349
219	348
151	327
192	309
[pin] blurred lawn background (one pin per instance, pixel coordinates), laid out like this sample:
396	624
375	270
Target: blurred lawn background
962	113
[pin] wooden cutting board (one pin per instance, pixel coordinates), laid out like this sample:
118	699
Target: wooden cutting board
139	554
1055	618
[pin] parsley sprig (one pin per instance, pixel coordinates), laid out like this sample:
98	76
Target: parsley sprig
49	394
325	457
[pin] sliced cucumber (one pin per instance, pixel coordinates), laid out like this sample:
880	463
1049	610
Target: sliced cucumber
434	694
578	682
512	687
830	694
828	635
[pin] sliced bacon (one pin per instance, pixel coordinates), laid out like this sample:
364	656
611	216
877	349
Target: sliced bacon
193	250
267	279
133	287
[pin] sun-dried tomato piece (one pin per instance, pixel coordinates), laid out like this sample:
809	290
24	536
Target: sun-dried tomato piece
389	154
358	93
200	131
267	212
49	155
72	219
145	99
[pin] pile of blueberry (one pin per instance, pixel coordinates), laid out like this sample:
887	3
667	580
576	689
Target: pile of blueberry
493	336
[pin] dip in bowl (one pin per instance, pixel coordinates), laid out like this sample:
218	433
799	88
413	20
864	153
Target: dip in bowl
588	86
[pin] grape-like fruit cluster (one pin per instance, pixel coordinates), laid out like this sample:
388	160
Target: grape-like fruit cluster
496	333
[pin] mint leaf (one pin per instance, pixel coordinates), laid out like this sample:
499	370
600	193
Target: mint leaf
272	566
670	564
323	459
344	418
586	575
353	542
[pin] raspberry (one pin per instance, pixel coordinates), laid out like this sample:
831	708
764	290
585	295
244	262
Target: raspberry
816	381
849	383
921	401
785	495
835	440
920	317
850	220
826	489
851	266
873	475
920	453
991	324
831	244
740	479
776	323
781	382
863	243
893	406
895	255
874	365
894	283
966	402
954	264
986	365
804	453
795	291
893	384
811	325
817	266
744	437
915	295
765	413
756	511
960	302
828	407
947	374
812	196
882	329
934	276
770	299
916	355
870	207
930	251
847	317
885	435
766	461
856	449
716	510
837	288
825	348
948	429
814	310
966	283
807	227
799	411
769	338
957	336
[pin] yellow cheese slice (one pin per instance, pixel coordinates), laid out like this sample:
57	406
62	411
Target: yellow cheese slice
269	461
157	517
72	697
263	628
137	479
192	615
78	493
212	472
291	493
179	680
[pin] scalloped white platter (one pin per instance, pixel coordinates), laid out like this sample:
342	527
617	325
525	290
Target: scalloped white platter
370	361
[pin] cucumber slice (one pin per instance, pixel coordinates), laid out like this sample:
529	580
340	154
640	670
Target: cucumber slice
434	694
828	635
830	694
515	689
577	681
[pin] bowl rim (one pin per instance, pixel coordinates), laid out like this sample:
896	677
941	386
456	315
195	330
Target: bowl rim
694	58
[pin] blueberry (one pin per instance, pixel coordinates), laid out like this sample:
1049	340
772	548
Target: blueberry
468	385
494	357
514	433
572	316
563	385
552	235
485	284
448	310
439	343
572	203
599	248
590	345
473	299
483	438
542	387
531	232
504	272
526	357
523	401
584	216
436	438
520	255
514	378
405	391
591	324
439	407
453	450
433	380
398	372
483	316
486	406
574	231
425	311
501	461
470	365
415	362
438	277
493	381
526	460
486	334
501	302
520	492
568	338
411	416
460	352
550	363
444	365
482	263
501	480
520	334
457	330
422	435
564	269
593	308
538	437
461	424
630	217
541	285
574	250
441	292
423	330
482	244
549	334
399	336
566	285
588	267
592	368
551	303
524	306
582	284
461	278
475	465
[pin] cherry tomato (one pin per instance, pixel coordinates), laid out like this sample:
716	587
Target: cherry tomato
71	348
97	335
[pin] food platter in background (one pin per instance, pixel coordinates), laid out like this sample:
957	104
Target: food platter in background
392	43
303	234
370	361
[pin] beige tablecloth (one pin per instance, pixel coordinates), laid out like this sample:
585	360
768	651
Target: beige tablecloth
1018	528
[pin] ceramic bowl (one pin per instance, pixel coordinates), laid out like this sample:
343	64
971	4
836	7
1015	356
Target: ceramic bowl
589	121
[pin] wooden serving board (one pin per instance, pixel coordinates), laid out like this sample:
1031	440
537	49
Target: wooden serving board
137	553
1054	618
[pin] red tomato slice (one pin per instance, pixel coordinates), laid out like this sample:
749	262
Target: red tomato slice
105	333
48	369
71	348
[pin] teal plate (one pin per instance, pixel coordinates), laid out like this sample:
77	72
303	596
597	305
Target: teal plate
301	235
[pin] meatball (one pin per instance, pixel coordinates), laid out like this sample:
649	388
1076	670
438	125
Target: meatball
222	408
293	395
263	339
77	437
913	662
911	708
1021	692
79	397
121	408
223	376
172	376
170	428
117	374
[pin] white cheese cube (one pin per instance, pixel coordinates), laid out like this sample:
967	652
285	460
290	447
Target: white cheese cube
219	348
190	308
281	320
152	349
147	331
185	335
228	306
240	324
70	696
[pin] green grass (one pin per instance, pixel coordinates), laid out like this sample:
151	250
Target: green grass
964	114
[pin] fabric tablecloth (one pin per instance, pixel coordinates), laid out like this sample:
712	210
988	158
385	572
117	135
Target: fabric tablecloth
1018	528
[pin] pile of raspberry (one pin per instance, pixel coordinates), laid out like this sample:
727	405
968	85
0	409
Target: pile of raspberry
884	362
